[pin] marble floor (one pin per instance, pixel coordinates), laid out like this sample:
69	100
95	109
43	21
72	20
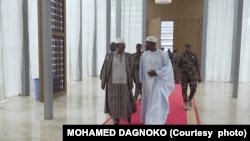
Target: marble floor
22	117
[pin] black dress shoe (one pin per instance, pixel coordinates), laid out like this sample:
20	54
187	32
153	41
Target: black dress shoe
129	120
116	121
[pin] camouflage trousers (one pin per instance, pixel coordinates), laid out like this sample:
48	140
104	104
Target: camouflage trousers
192	83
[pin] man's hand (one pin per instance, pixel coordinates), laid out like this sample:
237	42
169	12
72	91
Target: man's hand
199	79
103	86
152	73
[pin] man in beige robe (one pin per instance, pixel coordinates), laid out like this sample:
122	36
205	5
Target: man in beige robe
117	77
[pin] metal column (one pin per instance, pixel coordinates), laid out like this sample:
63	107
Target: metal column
80	43
237	46
204	38
26	59
47	59
118	17
144	22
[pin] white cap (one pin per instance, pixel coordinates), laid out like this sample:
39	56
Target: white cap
151	39
120	40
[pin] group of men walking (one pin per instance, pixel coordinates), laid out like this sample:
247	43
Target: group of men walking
153	75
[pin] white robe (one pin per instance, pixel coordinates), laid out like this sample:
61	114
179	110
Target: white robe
155	90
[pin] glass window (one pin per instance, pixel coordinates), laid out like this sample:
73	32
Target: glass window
167	35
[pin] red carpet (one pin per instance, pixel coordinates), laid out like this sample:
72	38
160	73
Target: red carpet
177	115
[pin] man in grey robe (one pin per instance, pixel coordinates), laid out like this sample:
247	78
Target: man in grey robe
157	81
118	77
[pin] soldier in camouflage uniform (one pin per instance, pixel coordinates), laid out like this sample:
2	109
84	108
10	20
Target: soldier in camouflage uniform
188	65
137	56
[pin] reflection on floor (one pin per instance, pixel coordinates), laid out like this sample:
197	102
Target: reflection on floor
216	105
22	118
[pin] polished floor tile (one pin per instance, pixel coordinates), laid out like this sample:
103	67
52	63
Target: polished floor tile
216	104
22	118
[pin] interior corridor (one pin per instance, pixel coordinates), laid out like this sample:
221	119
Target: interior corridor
22	118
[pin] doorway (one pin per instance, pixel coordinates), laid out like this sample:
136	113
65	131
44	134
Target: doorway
167	35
